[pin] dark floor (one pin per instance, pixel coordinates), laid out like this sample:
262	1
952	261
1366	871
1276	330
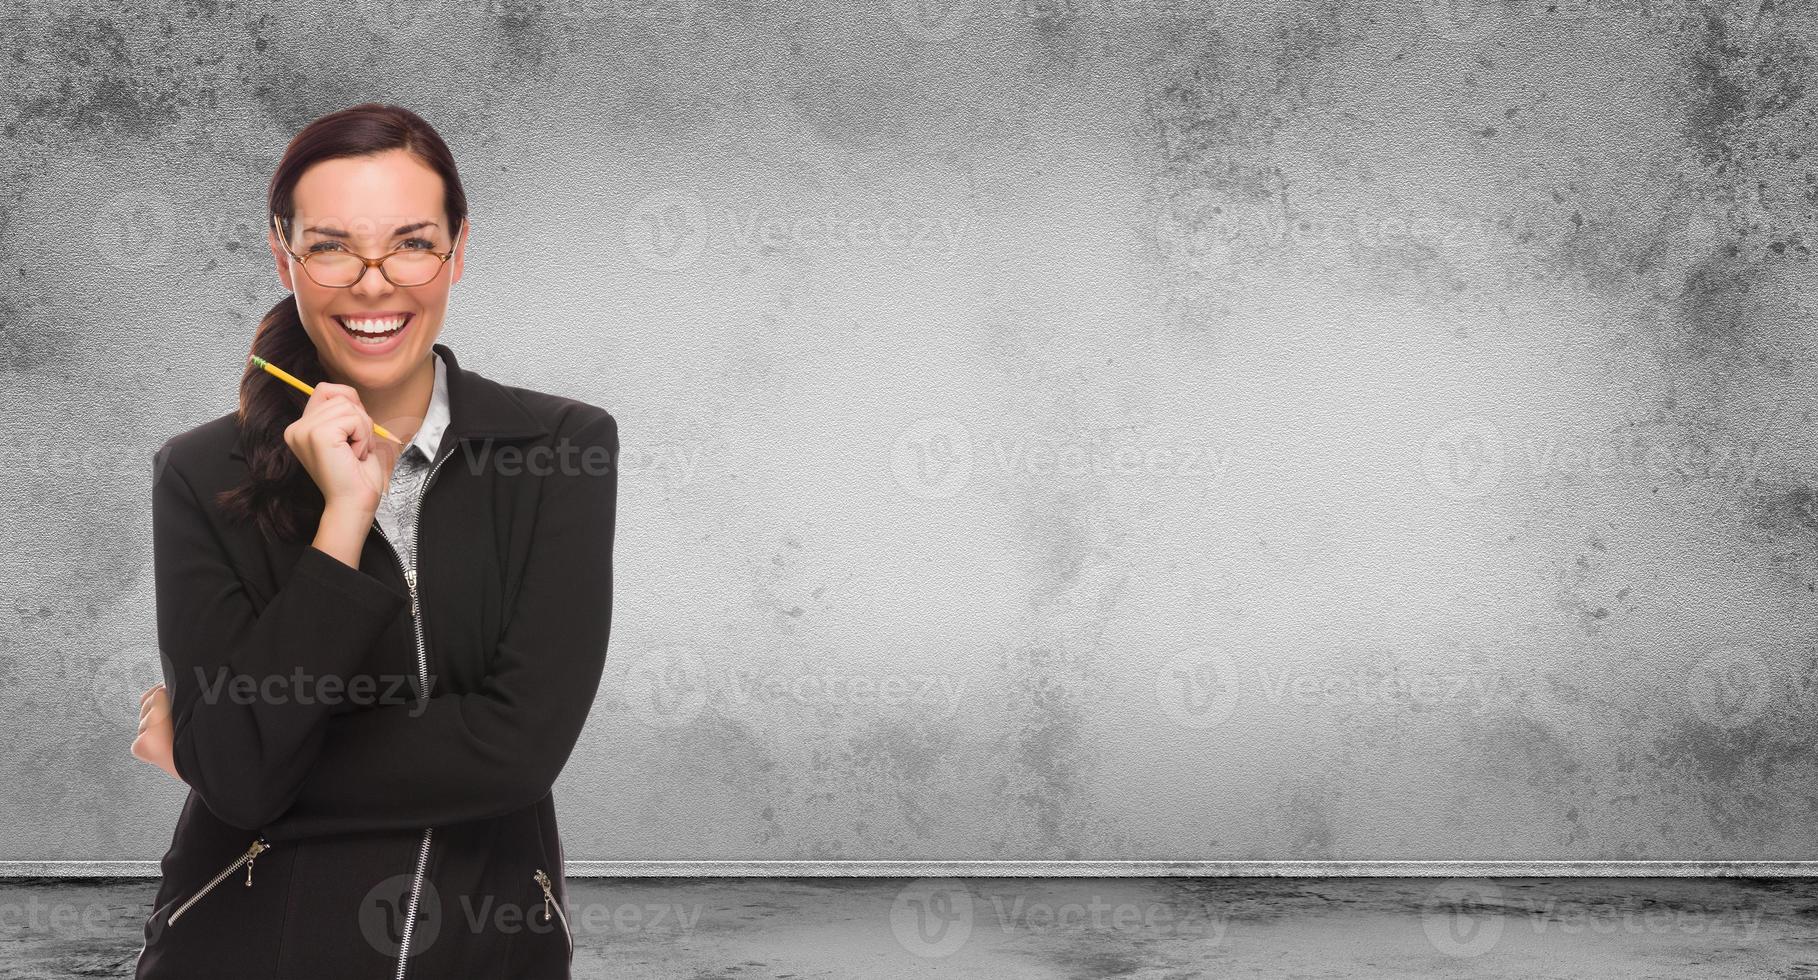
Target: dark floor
1013	928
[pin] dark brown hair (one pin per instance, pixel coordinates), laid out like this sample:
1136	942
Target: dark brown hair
278	492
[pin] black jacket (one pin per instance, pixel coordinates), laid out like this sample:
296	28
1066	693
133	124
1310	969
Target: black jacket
324	795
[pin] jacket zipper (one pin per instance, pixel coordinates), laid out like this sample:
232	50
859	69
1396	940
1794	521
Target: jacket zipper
252	853
550	902
416	622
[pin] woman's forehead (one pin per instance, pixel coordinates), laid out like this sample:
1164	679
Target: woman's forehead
373	194
356	224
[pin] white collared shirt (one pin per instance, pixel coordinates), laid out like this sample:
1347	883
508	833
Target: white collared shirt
397	508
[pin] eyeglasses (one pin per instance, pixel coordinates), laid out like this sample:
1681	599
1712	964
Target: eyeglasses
339	268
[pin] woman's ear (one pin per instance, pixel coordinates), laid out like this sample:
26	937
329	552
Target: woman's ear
460	247
281	256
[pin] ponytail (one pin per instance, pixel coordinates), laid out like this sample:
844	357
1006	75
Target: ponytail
278	493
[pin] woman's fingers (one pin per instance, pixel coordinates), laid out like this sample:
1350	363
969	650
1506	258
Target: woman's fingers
153	706
342	422
153	743
332	400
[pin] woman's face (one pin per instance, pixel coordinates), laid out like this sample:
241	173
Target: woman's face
372	335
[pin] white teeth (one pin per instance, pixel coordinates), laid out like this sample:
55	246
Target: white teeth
363	329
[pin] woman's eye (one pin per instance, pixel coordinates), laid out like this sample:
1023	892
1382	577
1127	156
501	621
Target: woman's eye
417	243
325	246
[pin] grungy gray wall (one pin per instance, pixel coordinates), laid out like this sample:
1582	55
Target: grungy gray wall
1053	429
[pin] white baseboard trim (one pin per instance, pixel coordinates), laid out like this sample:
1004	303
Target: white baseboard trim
1067	869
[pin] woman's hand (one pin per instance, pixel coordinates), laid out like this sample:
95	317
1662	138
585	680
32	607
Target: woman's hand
334	441
157	734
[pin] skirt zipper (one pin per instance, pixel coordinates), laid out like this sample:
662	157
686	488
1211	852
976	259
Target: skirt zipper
252	854
550	902
416	622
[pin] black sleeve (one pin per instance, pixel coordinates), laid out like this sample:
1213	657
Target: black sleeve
245	730
460	757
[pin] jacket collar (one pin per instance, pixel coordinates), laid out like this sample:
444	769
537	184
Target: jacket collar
478	408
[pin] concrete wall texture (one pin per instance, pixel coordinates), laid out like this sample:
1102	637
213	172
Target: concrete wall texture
1053	429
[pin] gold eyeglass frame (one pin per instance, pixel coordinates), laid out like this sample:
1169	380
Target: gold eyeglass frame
378	263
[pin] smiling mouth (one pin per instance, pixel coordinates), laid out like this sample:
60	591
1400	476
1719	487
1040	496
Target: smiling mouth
374	330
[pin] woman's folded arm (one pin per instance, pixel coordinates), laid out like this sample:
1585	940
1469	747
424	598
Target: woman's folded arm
459	757
247	721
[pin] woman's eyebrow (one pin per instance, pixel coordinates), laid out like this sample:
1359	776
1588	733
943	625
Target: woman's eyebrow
404	230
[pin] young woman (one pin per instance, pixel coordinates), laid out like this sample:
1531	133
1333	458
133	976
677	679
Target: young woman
379	656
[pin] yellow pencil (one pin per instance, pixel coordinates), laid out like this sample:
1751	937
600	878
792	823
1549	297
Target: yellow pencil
285	376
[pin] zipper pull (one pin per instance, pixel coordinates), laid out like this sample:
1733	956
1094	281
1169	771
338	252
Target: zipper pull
252	854
410	582
543	879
